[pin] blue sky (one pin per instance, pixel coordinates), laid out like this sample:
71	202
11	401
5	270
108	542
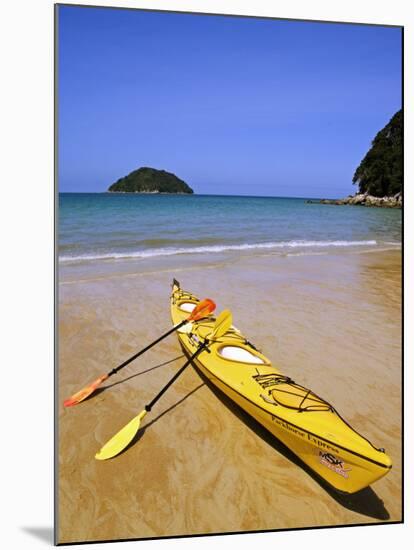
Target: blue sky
231	105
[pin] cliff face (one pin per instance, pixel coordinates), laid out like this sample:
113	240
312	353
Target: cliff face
150	180
380	173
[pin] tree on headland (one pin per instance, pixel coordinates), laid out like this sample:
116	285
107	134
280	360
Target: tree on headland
381	171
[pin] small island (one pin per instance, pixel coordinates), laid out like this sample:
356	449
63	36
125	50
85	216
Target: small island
380	173
150	180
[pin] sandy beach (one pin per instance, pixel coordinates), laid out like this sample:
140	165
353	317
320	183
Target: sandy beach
332	322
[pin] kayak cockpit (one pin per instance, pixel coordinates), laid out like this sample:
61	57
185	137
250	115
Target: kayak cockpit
187	306
240	354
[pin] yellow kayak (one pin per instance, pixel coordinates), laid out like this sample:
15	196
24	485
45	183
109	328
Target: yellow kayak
308	425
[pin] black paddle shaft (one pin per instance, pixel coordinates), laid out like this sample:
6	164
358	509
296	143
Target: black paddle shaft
176	375
125	363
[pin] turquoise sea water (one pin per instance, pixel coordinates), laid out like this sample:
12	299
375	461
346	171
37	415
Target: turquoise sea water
103	227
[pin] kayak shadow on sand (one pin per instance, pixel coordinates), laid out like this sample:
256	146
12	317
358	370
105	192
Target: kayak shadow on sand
364	502
142	429
108	386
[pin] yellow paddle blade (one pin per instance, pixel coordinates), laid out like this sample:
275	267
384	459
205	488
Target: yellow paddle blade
85	392
122	439
222	324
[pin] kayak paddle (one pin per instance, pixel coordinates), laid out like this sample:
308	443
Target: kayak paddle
122	439
202	309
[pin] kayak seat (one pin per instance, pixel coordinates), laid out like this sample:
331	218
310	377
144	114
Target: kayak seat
242	355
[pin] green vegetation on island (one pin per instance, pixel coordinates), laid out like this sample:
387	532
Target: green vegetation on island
380	173
150	180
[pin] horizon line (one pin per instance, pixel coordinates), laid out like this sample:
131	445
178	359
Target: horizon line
193	194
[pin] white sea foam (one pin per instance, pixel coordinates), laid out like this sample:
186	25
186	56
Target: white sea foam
213	249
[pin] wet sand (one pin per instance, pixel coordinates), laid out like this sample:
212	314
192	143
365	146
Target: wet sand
201	465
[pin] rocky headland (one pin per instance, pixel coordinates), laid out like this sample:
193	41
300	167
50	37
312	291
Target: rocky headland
380	174
364	199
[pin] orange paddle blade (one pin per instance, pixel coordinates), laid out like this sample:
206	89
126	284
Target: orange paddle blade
85	392
202	309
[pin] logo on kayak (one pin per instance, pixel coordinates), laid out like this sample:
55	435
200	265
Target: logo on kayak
334	463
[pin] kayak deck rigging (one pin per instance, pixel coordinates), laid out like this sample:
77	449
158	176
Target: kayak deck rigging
302	395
